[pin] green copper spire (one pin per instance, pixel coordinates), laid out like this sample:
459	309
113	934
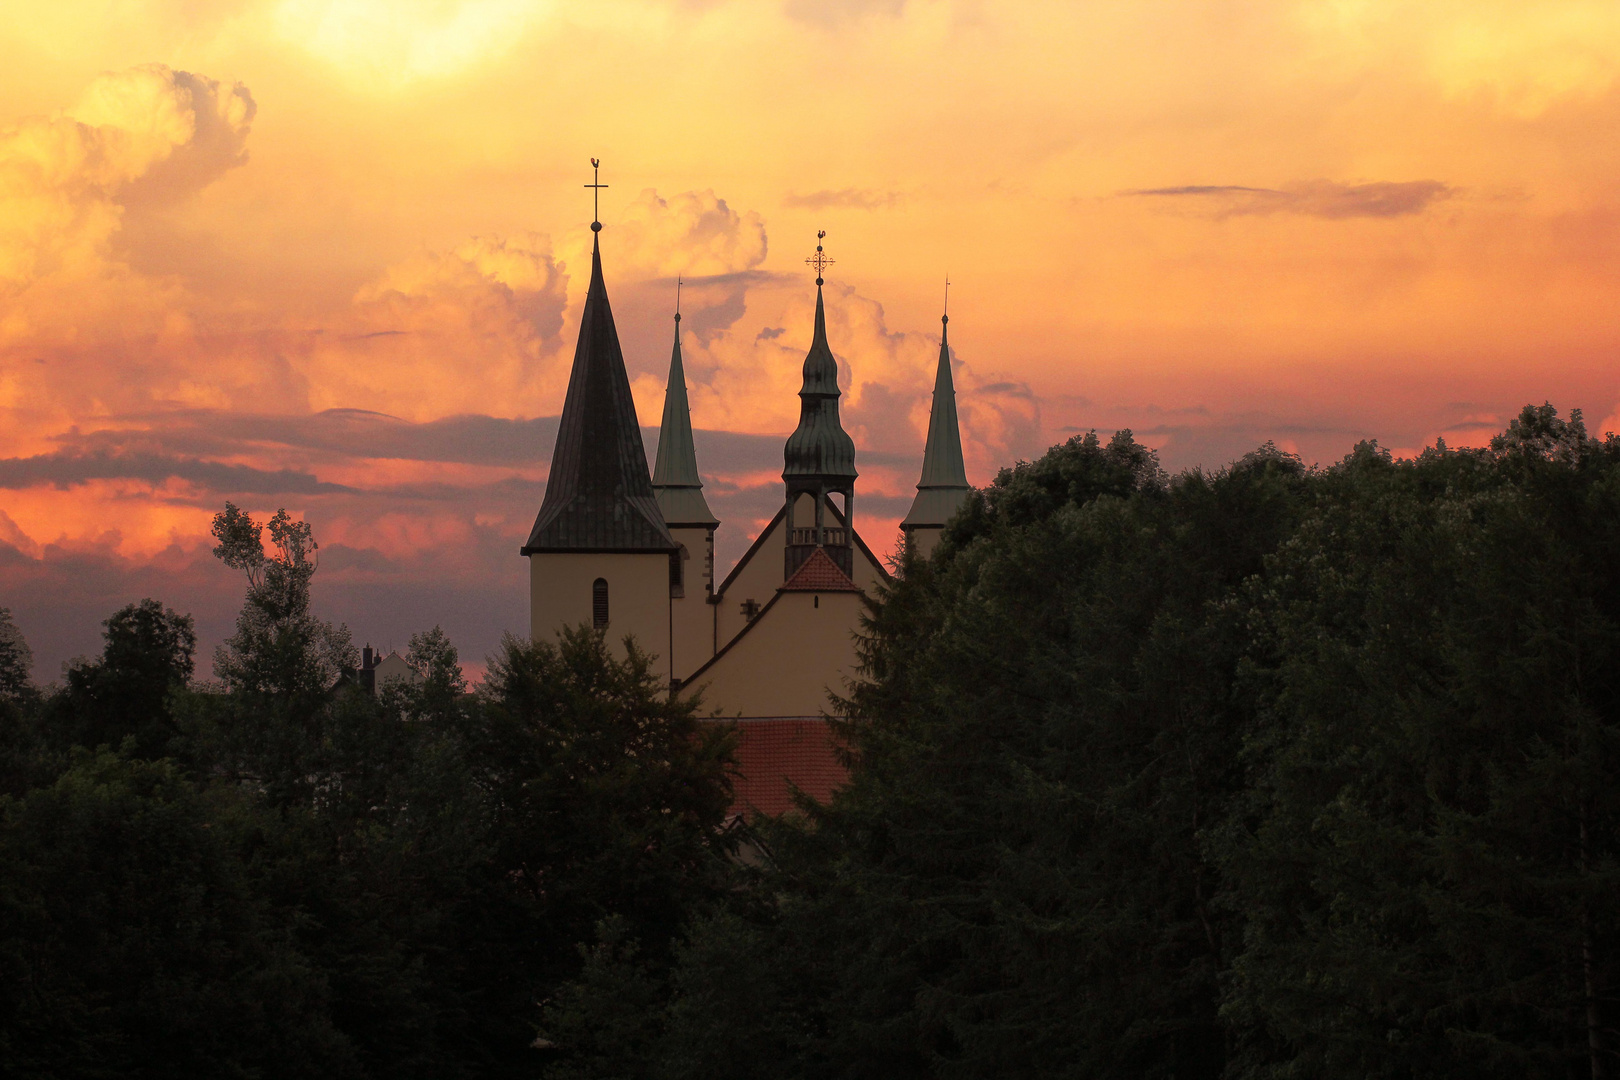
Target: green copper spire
819	447
675	476
944	476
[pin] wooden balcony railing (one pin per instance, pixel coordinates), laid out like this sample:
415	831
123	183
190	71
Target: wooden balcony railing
831	536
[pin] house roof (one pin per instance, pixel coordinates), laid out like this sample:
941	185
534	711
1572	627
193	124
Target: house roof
819	573
774	752
599	496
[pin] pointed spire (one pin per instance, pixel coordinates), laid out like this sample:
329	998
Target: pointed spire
944	484
599	496
820	446
675	479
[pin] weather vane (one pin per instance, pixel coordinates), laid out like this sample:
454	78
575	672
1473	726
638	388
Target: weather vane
677	298
819	260
945	315
596	195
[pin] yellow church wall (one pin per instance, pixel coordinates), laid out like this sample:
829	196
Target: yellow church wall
924	540
868	574
560	594
756	580
692	616
796	651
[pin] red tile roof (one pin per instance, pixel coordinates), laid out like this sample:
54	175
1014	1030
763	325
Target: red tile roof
772	752
819	573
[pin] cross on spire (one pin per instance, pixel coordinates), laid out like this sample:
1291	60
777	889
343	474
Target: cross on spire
819	260
596	195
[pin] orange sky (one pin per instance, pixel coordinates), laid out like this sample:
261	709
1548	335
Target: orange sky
226	226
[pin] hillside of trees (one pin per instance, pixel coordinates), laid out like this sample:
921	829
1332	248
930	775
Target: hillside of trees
1266	772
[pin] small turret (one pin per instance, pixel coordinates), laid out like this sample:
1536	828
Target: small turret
944	484
675	478
679	489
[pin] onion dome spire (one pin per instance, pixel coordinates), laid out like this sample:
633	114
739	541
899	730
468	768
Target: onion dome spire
599	496
944	484
820	447
675	479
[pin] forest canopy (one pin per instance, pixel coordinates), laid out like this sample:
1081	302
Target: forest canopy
1268	771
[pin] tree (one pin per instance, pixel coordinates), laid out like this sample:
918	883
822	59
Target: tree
132	944
16	660
280	649
21	749
609	802
1013	882
127	693
1427	857
282	664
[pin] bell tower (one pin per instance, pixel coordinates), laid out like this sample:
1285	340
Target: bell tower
819	458
599	552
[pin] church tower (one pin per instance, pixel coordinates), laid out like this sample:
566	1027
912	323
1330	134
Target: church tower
599	552
679	491
819	459
944	477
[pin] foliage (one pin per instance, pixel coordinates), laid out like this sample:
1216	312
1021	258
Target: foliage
1427	854
1270	772
131	941
1259	773
286	875
128	692
280	649
16	659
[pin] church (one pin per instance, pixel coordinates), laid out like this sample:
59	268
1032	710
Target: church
632	552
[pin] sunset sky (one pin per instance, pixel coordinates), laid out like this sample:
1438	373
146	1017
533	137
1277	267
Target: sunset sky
330	255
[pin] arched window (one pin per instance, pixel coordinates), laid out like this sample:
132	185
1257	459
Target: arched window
599	603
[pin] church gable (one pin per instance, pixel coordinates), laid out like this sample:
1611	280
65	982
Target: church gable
758	575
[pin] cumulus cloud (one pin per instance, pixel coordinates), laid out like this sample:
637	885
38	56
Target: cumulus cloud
447	331
146	133
695	234
1314	198
180	131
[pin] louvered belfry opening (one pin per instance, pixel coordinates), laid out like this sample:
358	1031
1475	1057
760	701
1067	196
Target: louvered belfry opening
599	603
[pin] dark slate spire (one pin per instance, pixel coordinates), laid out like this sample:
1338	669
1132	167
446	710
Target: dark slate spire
820	446
598	496
675	478
944	477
